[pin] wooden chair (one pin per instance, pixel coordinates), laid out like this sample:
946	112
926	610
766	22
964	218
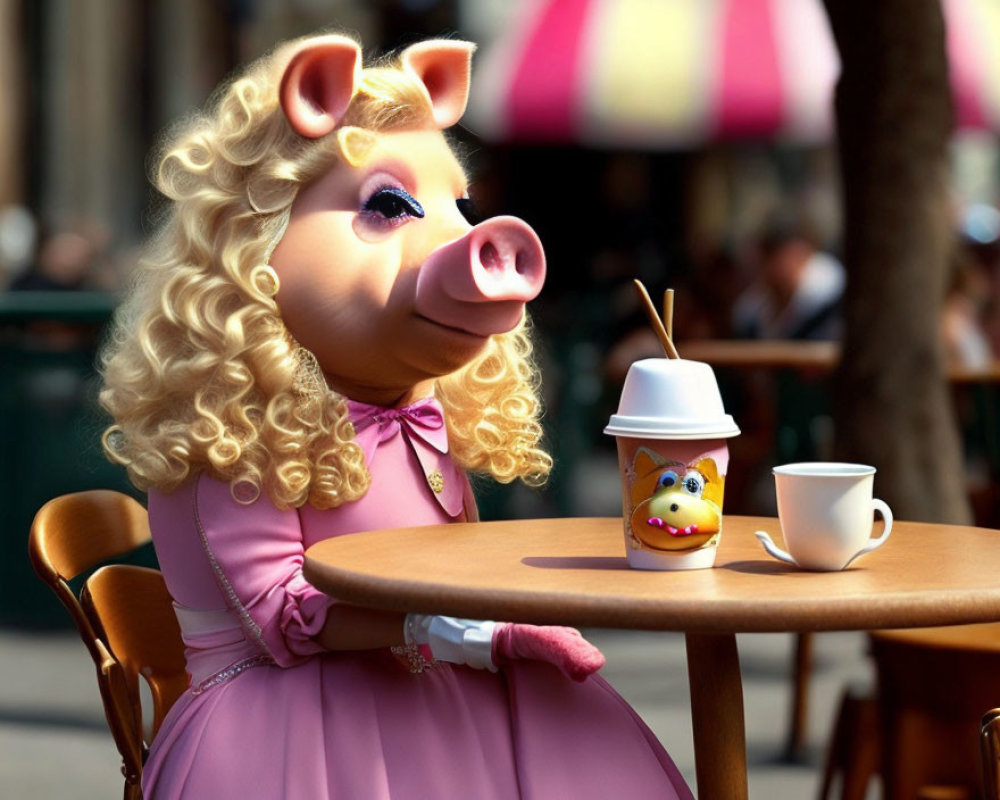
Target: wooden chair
932	684
124	615
989	742
853	752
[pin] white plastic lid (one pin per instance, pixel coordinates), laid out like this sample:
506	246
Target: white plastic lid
667	398
723	427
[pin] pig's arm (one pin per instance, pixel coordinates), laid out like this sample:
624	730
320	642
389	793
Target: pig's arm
257	553
489	645
355	628
476	643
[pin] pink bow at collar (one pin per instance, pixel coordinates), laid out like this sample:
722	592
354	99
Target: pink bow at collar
424	432
423	419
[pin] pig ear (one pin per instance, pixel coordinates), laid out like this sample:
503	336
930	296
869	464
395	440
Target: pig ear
443	67
646	461
706	466
318	84
715	483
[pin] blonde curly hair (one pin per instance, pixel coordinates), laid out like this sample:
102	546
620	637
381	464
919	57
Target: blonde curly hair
200	373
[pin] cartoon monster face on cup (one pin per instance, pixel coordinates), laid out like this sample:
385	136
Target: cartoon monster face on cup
675	506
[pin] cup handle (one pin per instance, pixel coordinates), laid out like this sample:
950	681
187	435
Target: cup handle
773	549
874	544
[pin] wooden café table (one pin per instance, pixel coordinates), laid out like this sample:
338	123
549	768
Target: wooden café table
573	572
803	355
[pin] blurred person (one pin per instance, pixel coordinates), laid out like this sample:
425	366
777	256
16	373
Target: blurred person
970	331
18	240
991	321
64	263
797	289
962	320
971	324
795	293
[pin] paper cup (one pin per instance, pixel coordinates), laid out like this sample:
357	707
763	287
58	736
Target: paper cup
671	430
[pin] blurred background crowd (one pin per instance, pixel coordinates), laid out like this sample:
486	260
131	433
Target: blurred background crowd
688	144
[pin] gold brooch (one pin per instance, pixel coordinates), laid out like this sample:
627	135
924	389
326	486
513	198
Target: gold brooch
436	481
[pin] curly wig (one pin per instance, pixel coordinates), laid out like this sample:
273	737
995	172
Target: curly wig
200	373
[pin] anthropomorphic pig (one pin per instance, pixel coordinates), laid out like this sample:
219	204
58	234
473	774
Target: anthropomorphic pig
319	342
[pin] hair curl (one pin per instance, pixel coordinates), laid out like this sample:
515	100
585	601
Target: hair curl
200	373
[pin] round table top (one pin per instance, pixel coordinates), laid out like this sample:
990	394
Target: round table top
573	572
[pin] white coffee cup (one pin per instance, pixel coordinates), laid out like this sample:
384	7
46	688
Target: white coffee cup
825	510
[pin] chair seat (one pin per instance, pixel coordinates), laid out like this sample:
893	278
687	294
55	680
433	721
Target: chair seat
983	637
951	672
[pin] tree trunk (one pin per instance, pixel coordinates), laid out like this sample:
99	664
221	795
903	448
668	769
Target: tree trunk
12	109
892	402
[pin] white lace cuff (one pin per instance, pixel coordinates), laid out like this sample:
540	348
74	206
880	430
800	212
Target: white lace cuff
458	641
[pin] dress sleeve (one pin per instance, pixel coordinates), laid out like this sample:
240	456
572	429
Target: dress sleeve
256	553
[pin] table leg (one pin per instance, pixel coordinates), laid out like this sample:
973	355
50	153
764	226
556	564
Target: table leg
801	675
720	752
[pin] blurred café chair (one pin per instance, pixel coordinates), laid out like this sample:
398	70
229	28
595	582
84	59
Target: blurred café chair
853	749
124	613
989	743
924	724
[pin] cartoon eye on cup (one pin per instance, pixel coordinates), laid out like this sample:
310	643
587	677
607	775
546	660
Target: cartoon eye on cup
667	479
694	483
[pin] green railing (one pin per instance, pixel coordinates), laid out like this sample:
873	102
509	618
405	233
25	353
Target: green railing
50	428
67	307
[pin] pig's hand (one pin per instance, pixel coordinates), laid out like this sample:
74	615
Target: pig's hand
488	645
563	647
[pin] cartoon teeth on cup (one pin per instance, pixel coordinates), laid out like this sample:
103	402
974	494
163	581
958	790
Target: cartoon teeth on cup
671	429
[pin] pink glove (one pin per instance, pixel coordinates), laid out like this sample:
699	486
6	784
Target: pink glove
564	647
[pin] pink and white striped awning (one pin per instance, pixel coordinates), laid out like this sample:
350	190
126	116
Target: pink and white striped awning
664	73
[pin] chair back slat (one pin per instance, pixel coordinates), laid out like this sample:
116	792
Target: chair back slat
142	633
120	713
73	533
76	532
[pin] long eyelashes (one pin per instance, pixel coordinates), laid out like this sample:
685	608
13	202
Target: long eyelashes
393	204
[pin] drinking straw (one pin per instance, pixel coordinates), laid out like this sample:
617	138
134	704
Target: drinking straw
668	313
656	322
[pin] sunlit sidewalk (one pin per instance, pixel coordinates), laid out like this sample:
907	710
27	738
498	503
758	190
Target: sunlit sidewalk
54	743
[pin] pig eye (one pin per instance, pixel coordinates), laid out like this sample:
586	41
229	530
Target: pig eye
467	208
694	483
668	479
393	204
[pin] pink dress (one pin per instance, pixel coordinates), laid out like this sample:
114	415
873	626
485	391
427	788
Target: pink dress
269	715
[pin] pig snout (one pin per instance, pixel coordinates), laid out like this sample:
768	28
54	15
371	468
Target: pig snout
480	283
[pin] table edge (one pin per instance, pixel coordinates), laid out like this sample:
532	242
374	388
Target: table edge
579	609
